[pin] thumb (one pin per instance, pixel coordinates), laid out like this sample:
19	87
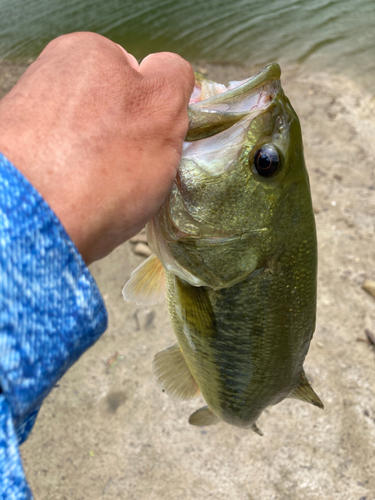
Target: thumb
170	68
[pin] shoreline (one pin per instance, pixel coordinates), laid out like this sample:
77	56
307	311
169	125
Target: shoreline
11	70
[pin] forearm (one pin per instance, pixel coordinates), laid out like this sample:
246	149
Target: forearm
51	308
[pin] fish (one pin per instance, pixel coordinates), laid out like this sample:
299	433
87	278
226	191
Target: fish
235	254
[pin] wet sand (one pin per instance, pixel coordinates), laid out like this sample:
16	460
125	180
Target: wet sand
109	432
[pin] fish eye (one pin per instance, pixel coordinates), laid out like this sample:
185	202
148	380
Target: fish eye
266	160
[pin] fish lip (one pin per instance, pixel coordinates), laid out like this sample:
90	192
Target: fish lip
218	113
270	73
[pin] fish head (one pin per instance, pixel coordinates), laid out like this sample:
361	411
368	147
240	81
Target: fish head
240	186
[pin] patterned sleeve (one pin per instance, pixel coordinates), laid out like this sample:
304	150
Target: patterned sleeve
51	313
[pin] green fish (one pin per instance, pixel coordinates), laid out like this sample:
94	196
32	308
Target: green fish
235	252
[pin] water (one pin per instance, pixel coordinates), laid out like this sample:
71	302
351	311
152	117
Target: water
336	35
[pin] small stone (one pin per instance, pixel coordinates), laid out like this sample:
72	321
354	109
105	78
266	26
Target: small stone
144	318
203	71
320	345
142	249
369	286
370	336
139	238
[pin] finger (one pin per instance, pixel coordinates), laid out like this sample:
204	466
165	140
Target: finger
132	61
172	68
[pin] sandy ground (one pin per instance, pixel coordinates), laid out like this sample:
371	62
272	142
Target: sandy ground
108	432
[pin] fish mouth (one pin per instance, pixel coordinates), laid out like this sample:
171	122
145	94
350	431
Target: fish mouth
221	94
214	107
218	123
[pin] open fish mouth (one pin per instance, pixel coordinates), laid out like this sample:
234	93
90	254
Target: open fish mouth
221	106
220	117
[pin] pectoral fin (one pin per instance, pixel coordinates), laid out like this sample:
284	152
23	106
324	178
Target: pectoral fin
304	392
197	311
146	285
203	416
171	370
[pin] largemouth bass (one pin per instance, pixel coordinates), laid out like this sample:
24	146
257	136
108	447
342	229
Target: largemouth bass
235	245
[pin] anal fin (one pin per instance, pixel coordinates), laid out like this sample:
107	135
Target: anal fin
147	283
304	392
203	416
171	370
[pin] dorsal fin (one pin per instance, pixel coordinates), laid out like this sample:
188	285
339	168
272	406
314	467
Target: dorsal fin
203	416
304	392
171	370
147	283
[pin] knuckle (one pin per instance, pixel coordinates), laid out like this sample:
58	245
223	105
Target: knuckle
73	42
167	99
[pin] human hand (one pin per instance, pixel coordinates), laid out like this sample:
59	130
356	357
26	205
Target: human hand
99	136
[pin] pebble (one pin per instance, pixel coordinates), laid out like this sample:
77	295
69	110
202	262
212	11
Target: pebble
144	319
370	336
142	249
139	238
369	286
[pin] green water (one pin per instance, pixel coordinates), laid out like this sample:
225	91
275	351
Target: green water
335	35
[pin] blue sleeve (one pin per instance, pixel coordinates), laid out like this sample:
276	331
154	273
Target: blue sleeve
51	313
